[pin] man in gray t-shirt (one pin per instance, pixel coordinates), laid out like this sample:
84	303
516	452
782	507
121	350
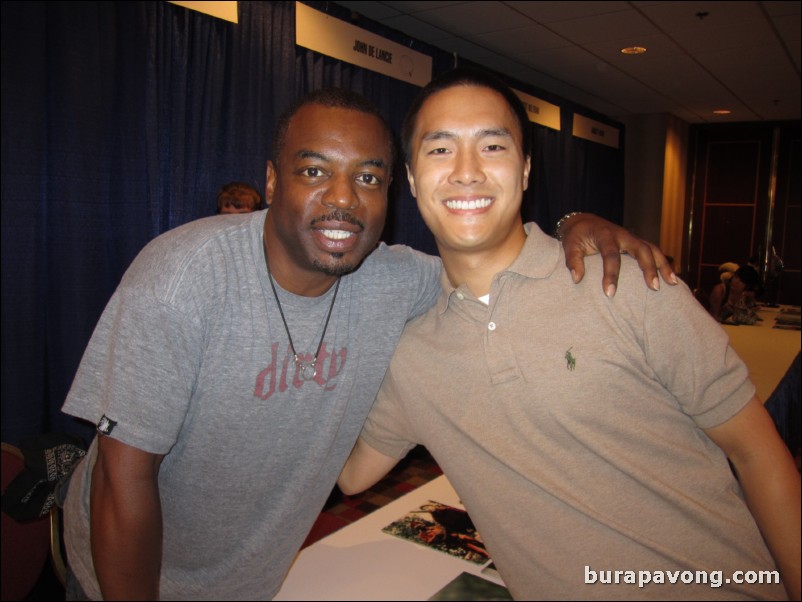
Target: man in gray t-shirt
232	370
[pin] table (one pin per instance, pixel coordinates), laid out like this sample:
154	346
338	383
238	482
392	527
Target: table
766	351
360	562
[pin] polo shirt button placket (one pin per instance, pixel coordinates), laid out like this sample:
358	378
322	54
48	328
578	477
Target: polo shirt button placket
491	326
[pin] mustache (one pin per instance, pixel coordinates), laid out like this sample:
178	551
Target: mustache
338	215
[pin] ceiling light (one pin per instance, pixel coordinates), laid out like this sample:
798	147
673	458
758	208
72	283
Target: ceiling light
722	112
633	50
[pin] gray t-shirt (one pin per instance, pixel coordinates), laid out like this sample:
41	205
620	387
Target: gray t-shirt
191	359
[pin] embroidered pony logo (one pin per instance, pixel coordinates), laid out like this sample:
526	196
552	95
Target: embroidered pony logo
570	359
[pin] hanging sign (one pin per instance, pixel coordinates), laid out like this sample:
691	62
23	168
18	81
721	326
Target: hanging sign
340	40
221	10
540	111
592	130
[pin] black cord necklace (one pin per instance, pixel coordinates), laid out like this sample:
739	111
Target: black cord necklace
308	370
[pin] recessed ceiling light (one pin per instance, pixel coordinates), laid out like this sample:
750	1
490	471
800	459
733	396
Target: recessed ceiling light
633	50
722	112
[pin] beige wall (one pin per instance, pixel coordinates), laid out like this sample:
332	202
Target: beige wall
655	181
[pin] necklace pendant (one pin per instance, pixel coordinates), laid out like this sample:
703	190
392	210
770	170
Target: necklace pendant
308	370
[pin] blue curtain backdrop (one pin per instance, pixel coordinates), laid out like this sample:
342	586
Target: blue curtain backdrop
120	120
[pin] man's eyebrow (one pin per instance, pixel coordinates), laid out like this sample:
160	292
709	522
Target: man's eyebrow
310	154
380	163
438	135
503	132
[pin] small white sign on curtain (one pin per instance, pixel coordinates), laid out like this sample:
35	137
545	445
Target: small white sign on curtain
340	40
595	131
221	10
540	111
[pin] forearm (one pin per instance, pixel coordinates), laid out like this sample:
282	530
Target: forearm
364	468
772	491
126	535
770	482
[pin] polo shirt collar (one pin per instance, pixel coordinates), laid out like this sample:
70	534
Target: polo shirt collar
540	256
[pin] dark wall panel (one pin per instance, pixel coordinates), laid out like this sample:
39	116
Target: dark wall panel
732	172
732	169
728	233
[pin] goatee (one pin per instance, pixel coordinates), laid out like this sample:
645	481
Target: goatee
337	269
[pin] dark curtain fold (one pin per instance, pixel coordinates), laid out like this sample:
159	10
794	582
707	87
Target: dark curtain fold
120	120
544	202
590	172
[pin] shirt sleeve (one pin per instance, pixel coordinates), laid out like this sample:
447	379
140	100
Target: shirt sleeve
421	275
691	355
138	371
387	429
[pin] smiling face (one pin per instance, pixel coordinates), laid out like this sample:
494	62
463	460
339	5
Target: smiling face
467	170
327	196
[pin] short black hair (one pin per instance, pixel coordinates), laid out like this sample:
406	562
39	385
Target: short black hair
465	76
340	98
749	277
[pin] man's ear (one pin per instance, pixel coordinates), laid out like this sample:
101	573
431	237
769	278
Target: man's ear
411	180
270	182
527	166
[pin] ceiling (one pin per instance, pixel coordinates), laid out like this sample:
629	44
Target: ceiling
702	56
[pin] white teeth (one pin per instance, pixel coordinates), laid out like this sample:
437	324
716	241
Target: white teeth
469	205
336	234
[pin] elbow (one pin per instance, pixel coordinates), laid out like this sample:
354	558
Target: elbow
365	467
348	490
349	485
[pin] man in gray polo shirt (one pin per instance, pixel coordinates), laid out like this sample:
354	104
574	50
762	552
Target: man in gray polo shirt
588	437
